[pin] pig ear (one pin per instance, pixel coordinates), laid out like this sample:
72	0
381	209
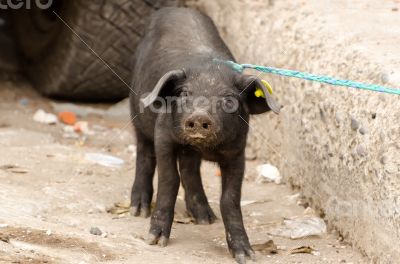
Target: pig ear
257	103
168	77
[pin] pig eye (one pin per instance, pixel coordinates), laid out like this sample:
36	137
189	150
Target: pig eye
230	104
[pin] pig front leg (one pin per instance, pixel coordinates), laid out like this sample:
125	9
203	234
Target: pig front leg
195	197
168	185
142	189
232	176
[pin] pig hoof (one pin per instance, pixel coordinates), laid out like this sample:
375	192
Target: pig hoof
252	255
240	258
242	250
163	241
145	212
156	239
140	204
203	215
152	239
136	211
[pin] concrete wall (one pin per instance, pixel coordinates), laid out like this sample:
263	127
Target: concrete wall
340	145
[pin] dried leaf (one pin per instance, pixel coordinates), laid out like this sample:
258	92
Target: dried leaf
117	211
183	220
7	167
120	208
182	217
302	250
13	169
19	171
123	204
268	247
4	238
249	202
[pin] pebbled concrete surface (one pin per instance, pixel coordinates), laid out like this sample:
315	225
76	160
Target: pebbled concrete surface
341	146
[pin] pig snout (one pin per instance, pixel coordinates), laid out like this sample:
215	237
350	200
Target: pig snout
199	125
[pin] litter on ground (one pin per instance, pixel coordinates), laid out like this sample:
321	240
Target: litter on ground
268	173
46	118
300	227
104	160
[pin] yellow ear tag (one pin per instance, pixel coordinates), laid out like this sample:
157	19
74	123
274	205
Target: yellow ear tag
260	93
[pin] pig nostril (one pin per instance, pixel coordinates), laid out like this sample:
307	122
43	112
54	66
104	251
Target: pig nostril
198	124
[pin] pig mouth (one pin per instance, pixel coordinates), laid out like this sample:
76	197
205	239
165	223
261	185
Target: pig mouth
197	136
200	140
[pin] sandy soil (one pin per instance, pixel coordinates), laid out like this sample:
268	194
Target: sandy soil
51	196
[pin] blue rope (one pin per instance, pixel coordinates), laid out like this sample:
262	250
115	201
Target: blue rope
312	77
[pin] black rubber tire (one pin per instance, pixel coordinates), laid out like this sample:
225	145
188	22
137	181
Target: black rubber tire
59	63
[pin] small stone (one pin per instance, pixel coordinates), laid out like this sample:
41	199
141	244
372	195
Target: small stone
316	253
338	117
373	115
361	150
385	78
48	232
384	159
354	124
281	247
95	231
24	101
395	9
363	130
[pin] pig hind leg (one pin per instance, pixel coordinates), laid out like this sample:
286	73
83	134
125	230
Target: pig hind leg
196	201
142	190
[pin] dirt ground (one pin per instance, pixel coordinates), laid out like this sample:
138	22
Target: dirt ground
51	196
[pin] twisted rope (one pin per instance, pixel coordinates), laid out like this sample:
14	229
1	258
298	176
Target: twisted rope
313	77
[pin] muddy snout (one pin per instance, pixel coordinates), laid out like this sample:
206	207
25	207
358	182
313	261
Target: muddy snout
199	125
